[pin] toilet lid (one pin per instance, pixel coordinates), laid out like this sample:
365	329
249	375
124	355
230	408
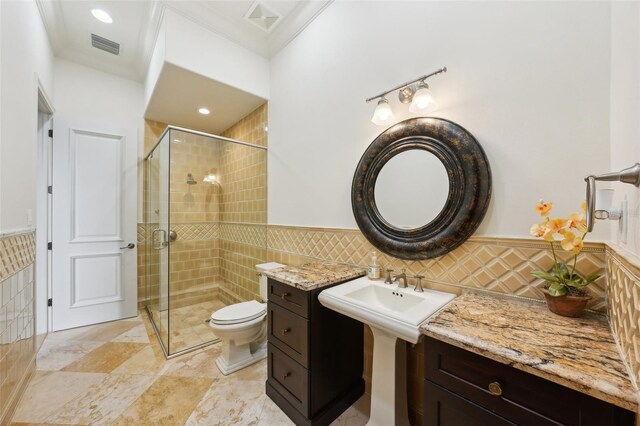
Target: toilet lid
239	312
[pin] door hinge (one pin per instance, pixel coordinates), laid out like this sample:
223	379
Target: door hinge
50	189
50	302
49	246
50	133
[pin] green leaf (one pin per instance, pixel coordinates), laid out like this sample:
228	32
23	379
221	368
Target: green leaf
545	276
592	278
560	268
557	289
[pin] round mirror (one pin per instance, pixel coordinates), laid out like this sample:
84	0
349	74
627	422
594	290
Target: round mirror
421	188
411	189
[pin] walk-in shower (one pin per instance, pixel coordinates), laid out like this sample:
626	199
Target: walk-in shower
205	225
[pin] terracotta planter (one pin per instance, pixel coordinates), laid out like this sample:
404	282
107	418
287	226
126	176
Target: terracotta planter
567	306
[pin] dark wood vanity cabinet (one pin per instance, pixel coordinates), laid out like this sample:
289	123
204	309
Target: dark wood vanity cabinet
314	357
463	388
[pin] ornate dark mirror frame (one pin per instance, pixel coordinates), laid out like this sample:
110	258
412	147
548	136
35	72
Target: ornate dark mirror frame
469	188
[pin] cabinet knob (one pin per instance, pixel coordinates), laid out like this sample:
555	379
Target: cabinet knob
284	377
284	295
285	331
495	388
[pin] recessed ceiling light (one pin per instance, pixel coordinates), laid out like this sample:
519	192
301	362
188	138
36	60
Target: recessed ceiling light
102	16
203	111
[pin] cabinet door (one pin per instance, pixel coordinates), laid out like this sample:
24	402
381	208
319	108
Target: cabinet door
444	408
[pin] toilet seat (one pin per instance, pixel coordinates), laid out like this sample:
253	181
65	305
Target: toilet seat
239	313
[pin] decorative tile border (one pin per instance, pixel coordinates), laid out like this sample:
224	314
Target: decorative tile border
501	265
16	252
249	234
203	231
624	307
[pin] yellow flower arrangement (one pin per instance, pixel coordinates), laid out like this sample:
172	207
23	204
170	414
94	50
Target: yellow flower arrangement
571	232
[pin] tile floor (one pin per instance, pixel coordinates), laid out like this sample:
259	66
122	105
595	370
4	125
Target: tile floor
187	327
116	374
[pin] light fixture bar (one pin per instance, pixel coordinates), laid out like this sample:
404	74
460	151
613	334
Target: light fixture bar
424	77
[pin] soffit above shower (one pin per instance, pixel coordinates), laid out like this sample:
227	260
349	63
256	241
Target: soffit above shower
135	26
179	93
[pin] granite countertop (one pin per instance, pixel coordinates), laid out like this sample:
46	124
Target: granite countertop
314	275
579	353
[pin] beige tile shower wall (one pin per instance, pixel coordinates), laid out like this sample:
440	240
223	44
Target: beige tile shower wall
242	246
17	326
152	132
243	177
623	273
194	213
252	128
199	156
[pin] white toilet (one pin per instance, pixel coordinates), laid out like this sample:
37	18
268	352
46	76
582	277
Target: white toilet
242	328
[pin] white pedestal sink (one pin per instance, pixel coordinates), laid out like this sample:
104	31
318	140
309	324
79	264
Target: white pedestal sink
392	313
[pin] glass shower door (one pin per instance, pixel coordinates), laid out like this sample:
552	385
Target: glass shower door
157	220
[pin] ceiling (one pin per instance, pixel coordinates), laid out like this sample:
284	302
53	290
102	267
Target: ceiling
179	93
69	24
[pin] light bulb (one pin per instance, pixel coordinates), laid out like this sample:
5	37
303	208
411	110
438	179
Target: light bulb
211	179
102	16
422	100
383	113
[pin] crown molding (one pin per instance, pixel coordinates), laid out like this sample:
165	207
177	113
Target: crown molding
54	23
299	19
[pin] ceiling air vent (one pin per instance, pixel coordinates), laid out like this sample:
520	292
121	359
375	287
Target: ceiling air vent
262	16
105	44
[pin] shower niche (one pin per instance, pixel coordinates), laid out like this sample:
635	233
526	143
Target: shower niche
205	208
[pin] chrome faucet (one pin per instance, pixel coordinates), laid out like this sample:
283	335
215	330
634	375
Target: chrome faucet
388	279
419	283
403	279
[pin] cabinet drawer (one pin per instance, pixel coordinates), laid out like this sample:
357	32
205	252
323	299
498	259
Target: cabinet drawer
288	297
444	408
289	332
289	378
523	398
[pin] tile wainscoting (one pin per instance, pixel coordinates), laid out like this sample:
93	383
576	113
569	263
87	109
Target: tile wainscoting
17	325
500	265
623	273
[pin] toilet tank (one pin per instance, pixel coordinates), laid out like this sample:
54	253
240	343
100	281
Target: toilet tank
263	278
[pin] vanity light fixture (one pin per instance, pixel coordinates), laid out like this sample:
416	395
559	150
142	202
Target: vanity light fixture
422	100
415	92
102	16
383	113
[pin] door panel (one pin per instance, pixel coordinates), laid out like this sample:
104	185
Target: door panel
94	218
96	185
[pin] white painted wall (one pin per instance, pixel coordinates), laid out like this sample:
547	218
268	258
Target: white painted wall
625	110
155	65
26	56
84	93
529	80
188	45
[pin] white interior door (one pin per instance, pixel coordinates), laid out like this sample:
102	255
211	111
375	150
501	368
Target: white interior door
94	223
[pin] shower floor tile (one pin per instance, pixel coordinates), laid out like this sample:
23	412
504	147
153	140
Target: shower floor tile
188	326
147	389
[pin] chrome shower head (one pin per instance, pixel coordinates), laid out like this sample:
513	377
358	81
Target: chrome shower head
190	179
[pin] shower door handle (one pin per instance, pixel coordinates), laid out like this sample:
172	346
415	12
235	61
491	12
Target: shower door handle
163	242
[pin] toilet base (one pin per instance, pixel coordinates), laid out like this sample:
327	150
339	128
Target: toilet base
227	368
